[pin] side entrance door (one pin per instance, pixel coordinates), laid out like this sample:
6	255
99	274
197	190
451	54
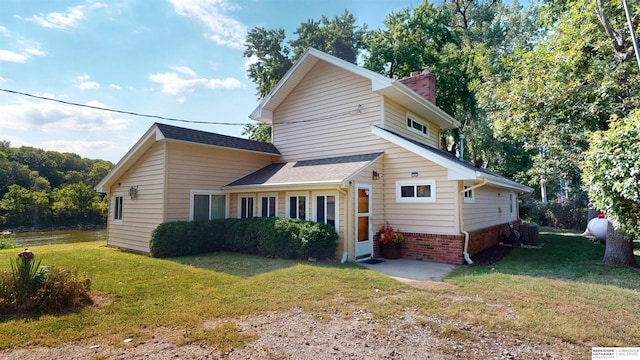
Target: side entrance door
364	242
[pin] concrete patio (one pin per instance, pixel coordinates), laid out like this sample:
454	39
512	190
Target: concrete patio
421	274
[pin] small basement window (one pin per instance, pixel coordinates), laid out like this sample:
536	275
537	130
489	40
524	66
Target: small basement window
417	126
416	191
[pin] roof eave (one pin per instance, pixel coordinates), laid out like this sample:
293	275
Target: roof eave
412	100
264	111
146	141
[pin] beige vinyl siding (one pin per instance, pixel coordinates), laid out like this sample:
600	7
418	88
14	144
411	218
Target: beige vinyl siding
491	207
439	217
327	101
197	167
395	116
143	214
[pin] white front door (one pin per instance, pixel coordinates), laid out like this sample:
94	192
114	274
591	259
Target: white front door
364	243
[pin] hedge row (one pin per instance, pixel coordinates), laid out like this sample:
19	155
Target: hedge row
273	237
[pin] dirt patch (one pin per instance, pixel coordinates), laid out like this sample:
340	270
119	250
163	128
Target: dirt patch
297	334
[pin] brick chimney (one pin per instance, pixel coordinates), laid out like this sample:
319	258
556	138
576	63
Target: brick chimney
423	83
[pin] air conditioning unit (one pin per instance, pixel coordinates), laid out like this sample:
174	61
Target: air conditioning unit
530	234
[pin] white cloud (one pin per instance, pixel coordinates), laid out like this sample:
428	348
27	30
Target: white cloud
60	21
81	147
10	56
51	116
3	29
83	82
223	29
174	84
185	70
114	86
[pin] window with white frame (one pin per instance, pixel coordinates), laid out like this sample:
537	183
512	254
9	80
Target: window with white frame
297	206
469	196
118	207
326	208
245	206
511	203
416	191
269	205
417	126
207	205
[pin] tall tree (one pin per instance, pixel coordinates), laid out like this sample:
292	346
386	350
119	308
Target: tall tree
272	57
611	178
549	97
460	42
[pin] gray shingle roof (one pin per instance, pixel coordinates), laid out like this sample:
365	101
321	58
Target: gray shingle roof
209	138
328	170
447	155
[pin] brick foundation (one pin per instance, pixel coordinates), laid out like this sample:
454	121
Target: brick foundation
445	248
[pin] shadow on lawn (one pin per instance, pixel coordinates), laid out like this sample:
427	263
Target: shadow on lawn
243	265
565	256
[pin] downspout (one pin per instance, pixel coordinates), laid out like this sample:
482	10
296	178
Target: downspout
345	253
465	251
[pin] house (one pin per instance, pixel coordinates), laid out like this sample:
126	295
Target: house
350	148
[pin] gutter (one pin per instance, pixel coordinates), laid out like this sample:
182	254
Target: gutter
465	251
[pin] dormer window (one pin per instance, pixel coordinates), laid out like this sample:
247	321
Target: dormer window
417	126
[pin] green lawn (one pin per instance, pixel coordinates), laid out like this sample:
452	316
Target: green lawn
558	294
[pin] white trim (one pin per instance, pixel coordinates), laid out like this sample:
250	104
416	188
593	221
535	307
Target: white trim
287	197
114	220
207	192
418	120
253	210
267	195
314	200
415	198
369	243
455	170
468	197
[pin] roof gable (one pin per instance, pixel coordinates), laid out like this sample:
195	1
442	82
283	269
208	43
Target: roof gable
456	169
380	84
158	132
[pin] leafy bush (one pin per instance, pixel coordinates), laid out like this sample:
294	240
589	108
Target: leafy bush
63	289
571	214
28	287
8	241
271	236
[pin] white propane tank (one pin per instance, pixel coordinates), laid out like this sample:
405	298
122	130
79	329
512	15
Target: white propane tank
598	227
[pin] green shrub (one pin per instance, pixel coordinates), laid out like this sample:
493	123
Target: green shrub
8	241
571	214
271	236
30	288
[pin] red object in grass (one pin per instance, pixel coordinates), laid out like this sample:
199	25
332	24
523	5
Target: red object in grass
601	216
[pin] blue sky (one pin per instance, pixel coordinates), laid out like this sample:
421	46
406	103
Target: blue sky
174	58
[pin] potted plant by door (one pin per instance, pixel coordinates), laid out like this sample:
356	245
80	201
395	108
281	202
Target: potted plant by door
391	242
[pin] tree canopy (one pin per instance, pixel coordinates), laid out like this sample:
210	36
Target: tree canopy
41	188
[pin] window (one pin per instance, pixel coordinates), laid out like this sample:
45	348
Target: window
118	207
208	205
417	126
297	206
511	203
416	191
268	205
246	207
326	209
469	196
